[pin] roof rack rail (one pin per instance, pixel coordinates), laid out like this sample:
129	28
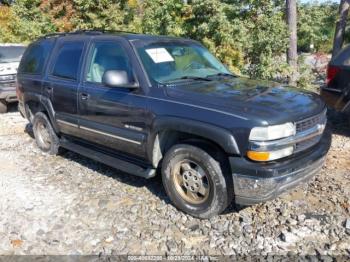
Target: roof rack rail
87	32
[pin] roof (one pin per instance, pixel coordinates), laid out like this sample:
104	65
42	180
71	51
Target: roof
125	34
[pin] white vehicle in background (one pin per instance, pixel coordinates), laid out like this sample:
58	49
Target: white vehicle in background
10	56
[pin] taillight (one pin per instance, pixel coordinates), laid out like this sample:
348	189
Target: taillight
332	71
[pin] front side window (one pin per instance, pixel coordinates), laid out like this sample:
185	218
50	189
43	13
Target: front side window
108	56
68	60
166	62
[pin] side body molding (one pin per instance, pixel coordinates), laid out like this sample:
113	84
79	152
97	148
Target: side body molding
221	136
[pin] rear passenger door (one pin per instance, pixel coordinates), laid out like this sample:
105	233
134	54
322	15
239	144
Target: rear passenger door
62	87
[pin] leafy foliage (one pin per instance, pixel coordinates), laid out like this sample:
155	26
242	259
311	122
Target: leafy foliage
267	39
27	22
316	25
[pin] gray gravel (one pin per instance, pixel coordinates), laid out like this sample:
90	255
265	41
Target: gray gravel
68	204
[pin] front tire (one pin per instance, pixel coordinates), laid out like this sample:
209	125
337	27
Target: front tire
45	136
194	181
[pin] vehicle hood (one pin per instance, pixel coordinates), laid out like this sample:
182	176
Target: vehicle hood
9	68
263	101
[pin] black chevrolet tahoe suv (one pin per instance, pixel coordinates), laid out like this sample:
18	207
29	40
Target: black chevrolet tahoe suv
143	103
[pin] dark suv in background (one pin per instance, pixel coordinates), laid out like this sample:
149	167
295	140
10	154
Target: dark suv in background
10	56
140	103
336	92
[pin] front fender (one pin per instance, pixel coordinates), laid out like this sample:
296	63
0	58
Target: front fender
218	135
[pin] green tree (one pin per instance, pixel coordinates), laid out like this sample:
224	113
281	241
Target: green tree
208	22
164	17
264	37
103	14
316	25
29	22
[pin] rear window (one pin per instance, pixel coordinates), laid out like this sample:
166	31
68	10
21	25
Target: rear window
35	57
68	59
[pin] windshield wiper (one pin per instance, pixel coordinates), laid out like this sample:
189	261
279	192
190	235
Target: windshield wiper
196	78
223	74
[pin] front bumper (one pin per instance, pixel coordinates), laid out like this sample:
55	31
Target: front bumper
257	182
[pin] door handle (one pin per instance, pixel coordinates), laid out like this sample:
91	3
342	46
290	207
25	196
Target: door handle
84	96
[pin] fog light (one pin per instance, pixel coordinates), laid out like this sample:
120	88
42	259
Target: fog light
253	187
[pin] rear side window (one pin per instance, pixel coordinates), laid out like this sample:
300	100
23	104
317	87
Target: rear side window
35	57
68	60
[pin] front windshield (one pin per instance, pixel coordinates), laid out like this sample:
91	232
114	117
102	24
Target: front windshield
167	62
9	54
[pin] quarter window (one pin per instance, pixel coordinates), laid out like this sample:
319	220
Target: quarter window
105	57
34	59
68	59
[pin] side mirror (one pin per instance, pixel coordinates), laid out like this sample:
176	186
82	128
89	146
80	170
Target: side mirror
118	78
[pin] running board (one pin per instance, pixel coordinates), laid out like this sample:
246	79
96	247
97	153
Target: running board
109	160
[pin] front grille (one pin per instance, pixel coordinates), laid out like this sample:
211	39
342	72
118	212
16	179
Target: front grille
306	124
311	122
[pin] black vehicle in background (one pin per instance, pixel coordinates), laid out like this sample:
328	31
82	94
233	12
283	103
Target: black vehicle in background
142	103
10	56
336	92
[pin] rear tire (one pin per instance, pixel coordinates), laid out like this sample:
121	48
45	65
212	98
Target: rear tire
194	181
3	107
45	136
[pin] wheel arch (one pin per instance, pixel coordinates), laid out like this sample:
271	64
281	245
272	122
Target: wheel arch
37	103
167	131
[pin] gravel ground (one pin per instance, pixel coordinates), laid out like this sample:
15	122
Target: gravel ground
69	204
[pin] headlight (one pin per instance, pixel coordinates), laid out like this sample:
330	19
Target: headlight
272	132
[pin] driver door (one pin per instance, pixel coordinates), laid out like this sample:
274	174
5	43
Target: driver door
109	116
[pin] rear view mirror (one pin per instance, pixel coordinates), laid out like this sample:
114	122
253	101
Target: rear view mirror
118	78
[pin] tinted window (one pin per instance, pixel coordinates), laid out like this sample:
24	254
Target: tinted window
34	59
67	61
107	56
